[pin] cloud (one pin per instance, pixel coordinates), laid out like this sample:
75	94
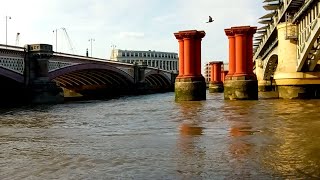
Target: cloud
164	18
138	24
131	35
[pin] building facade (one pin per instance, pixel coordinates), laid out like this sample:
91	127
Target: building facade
162	60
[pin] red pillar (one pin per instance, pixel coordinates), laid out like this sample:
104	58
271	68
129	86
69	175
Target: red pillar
198	56
191	86
232	52
211	72
223	75
189	52
244	50
181	59
216	71
189	69
181	54
241	68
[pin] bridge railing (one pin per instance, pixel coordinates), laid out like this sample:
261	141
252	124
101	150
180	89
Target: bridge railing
88	58
308	32
15	48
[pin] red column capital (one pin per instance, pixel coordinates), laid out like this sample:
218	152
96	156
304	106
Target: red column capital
243	49
190	52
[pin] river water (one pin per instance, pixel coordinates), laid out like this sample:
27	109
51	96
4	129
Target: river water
154	137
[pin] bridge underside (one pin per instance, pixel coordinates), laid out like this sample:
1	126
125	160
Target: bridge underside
158	83
97	82
106	83
12	92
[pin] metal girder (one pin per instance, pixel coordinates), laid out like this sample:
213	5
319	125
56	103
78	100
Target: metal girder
315	57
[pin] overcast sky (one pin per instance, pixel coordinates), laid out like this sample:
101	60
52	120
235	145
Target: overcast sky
127	24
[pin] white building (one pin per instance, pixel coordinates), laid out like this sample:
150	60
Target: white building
162	60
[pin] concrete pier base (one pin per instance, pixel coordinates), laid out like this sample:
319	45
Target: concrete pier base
241	90
190	89
307	91
265	86
215	87
46	93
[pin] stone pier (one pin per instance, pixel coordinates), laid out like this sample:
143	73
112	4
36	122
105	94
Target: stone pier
41	89
216	85
190	84
290	83
241	83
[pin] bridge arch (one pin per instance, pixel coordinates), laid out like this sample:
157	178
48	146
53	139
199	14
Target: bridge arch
270	64
92	79
11	75
157	79
90	66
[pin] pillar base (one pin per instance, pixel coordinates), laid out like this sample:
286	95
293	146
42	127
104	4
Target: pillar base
266	86
241	90
306	91
215	87
46	93
190	89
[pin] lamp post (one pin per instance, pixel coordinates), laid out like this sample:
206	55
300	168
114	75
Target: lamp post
56	30
91	45
7	29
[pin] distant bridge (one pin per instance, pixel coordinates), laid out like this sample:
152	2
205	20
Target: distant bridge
37	65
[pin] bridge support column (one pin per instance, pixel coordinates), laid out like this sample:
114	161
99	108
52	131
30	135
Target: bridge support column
242	84
290	83
216	85
263	85
42	90
139	77
190	84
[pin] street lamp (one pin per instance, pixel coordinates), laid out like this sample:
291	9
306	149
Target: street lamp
91	45
56	30
7	28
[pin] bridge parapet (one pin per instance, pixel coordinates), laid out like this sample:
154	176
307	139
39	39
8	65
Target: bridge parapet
308	48
271	31
15	64
54	65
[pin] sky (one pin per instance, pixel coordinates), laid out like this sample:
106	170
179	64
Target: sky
125	24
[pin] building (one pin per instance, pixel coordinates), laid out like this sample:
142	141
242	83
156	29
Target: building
162	60
207	71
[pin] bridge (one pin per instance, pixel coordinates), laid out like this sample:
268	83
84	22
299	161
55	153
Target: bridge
287	48
35	73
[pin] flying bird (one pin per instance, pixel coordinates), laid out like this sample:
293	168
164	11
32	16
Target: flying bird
210	20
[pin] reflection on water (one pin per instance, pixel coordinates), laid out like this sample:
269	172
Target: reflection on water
153	137
191	154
